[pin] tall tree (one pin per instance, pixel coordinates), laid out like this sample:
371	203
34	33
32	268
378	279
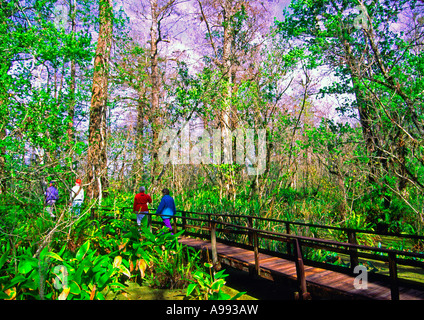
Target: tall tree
72	87
131	72
232	29
159	10
97	156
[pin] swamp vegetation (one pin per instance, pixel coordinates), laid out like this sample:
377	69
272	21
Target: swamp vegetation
315	107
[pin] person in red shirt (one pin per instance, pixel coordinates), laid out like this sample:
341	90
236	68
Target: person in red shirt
140	207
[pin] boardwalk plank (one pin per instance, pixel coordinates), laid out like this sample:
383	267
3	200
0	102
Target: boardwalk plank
318	274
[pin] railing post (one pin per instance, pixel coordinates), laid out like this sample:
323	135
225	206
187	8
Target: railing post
300	272
184	221
149	222
353	252
250	225
174	223
288	244
256	252
210	224
394	288
215	261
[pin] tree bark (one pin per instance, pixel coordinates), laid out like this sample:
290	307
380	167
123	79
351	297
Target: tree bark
97	157
72	87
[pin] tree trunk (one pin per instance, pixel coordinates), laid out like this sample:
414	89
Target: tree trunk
227	77
72	87
142	108
97	157
155	38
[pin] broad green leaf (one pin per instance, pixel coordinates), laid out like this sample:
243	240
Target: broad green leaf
62	250
119	285
75	288
104	279
43	254
3	296
3	259
238	295
18	279
190	288
78	274
221	274
83	250
219	296
100	296
54	256
27	265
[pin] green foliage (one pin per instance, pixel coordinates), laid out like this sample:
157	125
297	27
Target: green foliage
208	285
383	149
170	263
97	259
63	275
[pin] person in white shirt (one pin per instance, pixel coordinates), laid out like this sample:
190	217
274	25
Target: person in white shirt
77	197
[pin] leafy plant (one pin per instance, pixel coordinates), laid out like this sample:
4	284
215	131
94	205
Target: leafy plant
64	275
170	263
208	285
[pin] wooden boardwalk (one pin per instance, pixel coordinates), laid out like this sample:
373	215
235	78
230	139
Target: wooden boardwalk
318	280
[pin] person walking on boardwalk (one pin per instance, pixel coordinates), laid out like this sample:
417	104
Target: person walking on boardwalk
166	208
77	197
51	196
140	207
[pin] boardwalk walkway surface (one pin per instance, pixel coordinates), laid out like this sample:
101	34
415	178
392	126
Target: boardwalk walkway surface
318	279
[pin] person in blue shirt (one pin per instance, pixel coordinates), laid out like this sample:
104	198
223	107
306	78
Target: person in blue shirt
51	196
166	208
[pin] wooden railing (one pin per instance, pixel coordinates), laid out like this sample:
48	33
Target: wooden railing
208	226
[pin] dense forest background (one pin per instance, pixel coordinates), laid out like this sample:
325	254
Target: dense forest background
87	89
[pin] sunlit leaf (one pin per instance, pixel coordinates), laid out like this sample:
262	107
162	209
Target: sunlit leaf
142	266
83	250
190	288
117	261
125	271
54	256
93	292
64	294
11	292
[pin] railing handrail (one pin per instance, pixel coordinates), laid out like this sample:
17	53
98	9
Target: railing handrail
291	236
317	240
306	224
